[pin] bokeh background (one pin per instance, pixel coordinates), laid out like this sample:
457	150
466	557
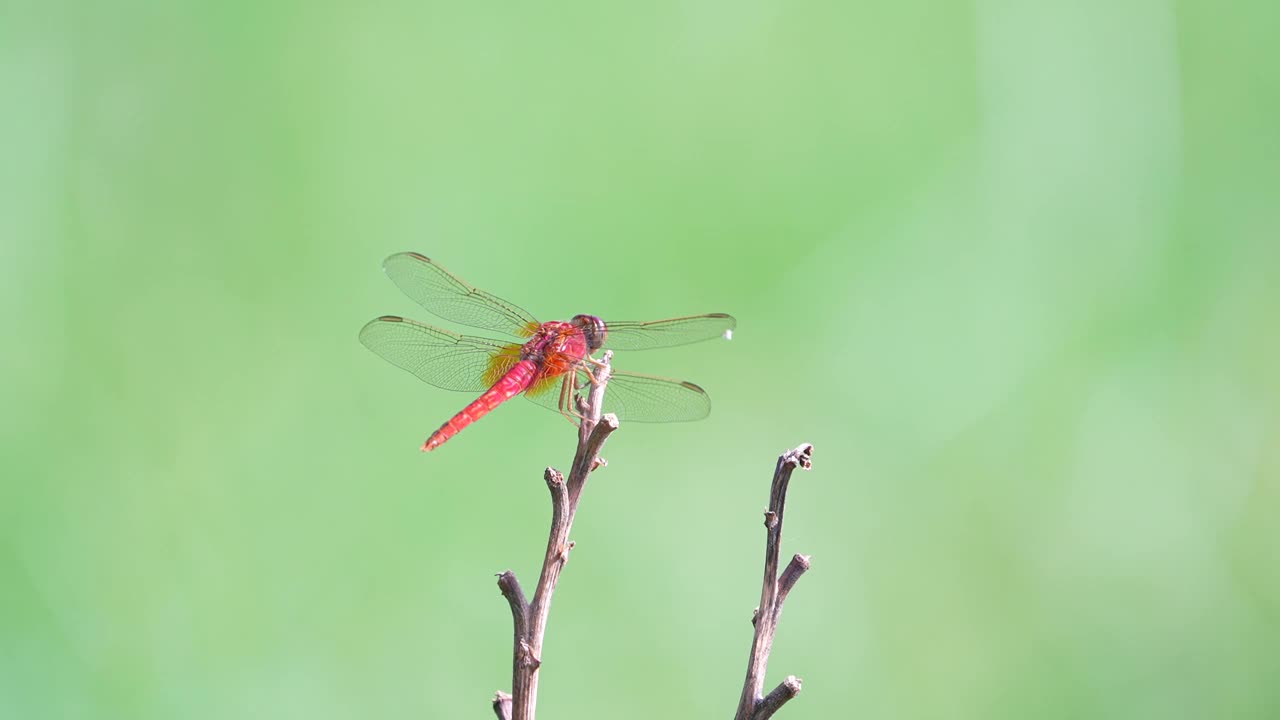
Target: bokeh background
1011	267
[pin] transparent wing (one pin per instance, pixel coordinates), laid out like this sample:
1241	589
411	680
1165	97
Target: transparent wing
439	357
442	294
668	333
646	398
640	398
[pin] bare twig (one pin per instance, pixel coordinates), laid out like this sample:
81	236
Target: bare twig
777	697
530	618
502	705
798	565
753	705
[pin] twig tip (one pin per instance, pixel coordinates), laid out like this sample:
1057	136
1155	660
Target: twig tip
777	697
502	705
801	457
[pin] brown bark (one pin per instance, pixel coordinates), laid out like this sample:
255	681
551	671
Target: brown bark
753	705
530	616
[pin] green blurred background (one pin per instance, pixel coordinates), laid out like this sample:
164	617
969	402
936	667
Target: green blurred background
1011	267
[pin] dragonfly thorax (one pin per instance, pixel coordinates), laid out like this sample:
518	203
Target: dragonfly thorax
556	346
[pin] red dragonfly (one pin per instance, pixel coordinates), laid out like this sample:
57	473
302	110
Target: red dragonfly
555	354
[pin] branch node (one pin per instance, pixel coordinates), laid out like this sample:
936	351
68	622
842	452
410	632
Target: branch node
527	657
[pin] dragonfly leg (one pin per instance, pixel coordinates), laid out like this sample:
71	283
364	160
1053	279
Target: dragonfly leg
568	392
591	376
572	400
585	384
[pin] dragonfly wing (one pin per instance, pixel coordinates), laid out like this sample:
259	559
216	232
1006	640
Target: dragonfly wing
547	393
668	333
439	357
639	398
646	398
437	290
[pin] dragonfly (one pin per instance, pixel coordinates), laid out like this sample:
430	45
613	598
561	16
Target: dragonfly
549	365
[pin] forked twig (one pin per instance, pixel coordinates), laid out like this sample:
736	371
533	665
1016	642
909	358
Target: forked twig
530	617
753	705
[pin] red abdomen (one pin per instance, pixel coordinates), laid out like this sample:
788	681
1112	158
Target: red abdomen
511	384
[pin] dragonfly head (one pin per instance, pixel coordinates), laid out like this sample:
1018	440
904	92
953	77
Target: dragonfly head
592	329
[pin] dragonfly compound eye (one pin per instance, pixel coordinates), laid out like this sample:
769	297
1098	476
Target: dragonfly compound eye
593	330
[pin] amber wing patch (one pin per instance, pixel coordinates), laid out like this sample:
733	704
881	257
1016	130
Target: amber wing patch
500	363
542	385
